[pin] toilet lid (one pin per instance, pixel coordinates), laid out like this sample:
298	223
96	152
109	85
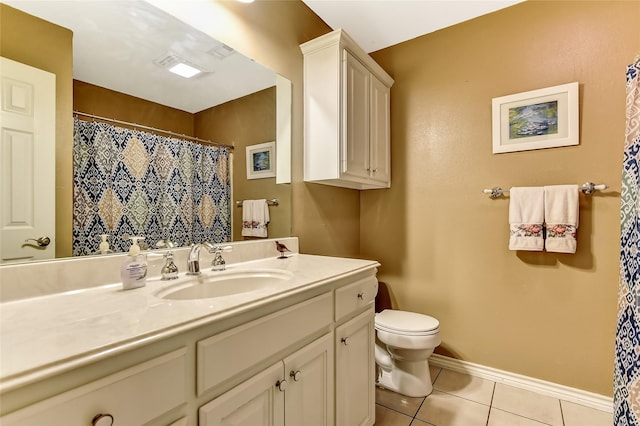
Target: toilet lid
403	322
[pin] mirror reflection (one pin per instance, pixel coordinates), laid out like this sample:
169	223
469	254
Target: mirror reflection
122	52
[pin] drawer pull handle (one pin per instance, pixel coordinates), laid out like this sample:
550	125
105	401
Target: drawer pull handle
361	296
281	385
296	375
345	341
102	420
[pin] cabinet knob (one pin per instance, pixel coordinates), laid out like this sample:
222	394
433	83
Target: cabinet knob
345	341
281	385
361	296
102	420
296	375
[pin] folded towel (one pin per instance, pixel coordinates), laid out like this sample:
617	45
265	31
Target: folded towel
561	216
255	218
526	215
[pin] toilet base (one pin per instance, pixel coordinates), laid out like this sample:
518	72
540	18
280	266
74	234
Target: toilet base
407	378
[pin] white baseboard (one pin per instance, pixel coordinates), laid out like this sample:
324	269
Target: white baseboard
565	393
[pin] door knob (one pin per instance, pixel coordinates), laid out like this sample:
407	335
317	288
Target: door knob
41	242
345	341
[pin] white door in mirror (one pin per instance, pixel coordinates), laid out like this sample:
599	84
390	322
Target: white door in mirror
27	162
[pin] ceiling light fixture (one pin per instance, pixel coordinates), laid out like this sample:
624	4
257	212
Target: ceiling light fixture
245	1
184	70
177	65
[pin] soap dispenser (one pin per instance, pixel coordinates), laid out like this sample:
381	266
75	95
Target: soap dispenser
134	267
104	245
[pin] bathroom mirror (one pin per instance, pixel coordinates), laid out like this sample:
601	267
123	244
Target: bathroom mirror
110	29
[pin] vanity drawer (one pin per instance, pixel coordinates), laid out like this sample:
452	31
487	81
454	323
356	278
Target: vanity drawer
227	354
133	396
355	296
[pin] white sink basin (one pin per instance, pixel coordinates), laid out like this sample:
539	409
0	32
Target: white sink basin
220	284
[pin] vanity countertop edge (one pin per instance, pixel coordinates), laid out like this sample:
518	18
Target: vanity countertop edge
49	335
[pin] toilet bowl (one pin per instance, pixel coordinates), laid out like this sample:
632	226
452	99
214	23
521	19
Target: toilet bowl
404	343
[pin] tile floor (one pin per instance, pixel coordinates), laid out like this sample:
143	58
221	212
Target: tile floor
462	400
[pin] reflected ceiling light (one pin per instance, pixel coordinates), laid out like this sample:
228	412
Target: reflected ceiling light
177	65
245	1
184	70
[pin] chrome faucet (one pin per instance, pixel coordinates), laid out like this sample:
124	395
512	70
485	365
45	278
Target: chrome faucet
193	263
219	263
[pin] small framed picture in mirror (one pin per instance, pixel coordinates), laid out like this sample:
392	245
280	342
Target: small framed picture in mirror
261	160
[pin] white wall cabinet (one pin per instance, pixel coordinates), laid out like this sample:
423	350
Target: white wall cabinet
347	115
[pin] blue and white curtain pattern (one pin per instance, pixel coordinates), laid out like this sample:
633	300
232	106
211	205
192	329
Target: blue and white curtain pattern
627	362
128	182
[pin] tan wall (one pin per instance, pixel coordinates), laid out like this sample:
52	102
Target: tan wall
43	45
102	102
326	219
443	244
248	121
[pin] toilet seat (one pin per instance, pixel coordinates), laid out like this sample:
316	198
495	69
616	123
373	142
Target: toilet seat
406	323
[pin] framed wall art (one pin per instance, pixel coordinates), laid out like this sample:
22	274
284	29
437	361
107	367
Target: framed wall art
543	118
261	160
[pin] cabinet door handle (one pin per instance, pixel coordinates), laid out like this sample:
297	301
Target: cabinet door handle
281	385
361	296
102	420
295	375
345	341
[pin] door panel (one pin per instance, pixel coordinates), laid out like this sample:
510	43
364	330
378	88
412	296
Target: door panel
27	161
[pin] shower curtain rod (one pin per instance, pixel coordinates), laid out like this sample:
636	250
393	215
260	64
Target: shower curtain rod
153	129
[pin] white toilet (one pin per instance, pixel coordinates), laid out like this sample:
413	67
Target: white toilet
404	343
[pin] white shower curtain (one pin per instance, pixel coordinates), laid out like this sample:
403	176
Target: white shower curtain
627	359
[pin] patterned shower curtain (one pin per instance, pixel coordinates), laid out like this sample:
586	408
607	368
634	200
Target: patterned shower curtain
129	182
627	362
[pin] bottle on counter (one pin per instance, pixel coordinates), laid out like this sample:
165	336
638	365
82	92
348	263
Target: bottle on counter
134	267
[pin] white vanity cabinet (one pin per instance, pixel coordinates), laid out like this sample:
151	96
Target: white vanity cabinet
346	116
134	396
303	356
354	353
295	391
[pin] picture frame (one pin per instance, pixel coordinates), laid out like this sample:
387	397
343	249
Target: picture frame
261	160
537	119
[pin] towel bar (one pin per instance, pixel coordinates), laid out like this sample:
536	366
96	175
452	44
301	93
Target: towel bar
271	202
586	188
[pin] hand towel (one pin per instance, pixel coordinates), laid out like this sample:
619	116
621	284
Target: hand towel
526	216
255	218
561	217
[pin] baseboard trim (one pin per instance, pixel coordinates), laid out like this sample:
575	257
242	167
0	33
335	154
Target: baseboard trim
565	393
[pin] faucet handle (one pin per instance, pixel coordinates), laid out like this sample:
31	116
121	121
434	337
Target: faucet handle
219	249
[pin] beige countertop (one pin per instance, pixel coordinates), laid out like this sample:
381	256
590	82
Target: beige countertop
40	336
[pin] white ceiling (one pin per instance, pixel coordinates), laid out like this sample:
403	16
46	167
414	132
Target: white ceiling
115	44
376	24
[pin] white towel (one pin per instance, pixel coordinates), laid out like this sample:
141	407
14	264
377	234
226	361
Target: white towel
561	215
526	216
255	218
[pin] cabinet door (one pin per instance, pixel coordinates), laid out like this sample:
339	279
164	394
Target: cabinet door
355	371
257	402
380	136
355	125
309	395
